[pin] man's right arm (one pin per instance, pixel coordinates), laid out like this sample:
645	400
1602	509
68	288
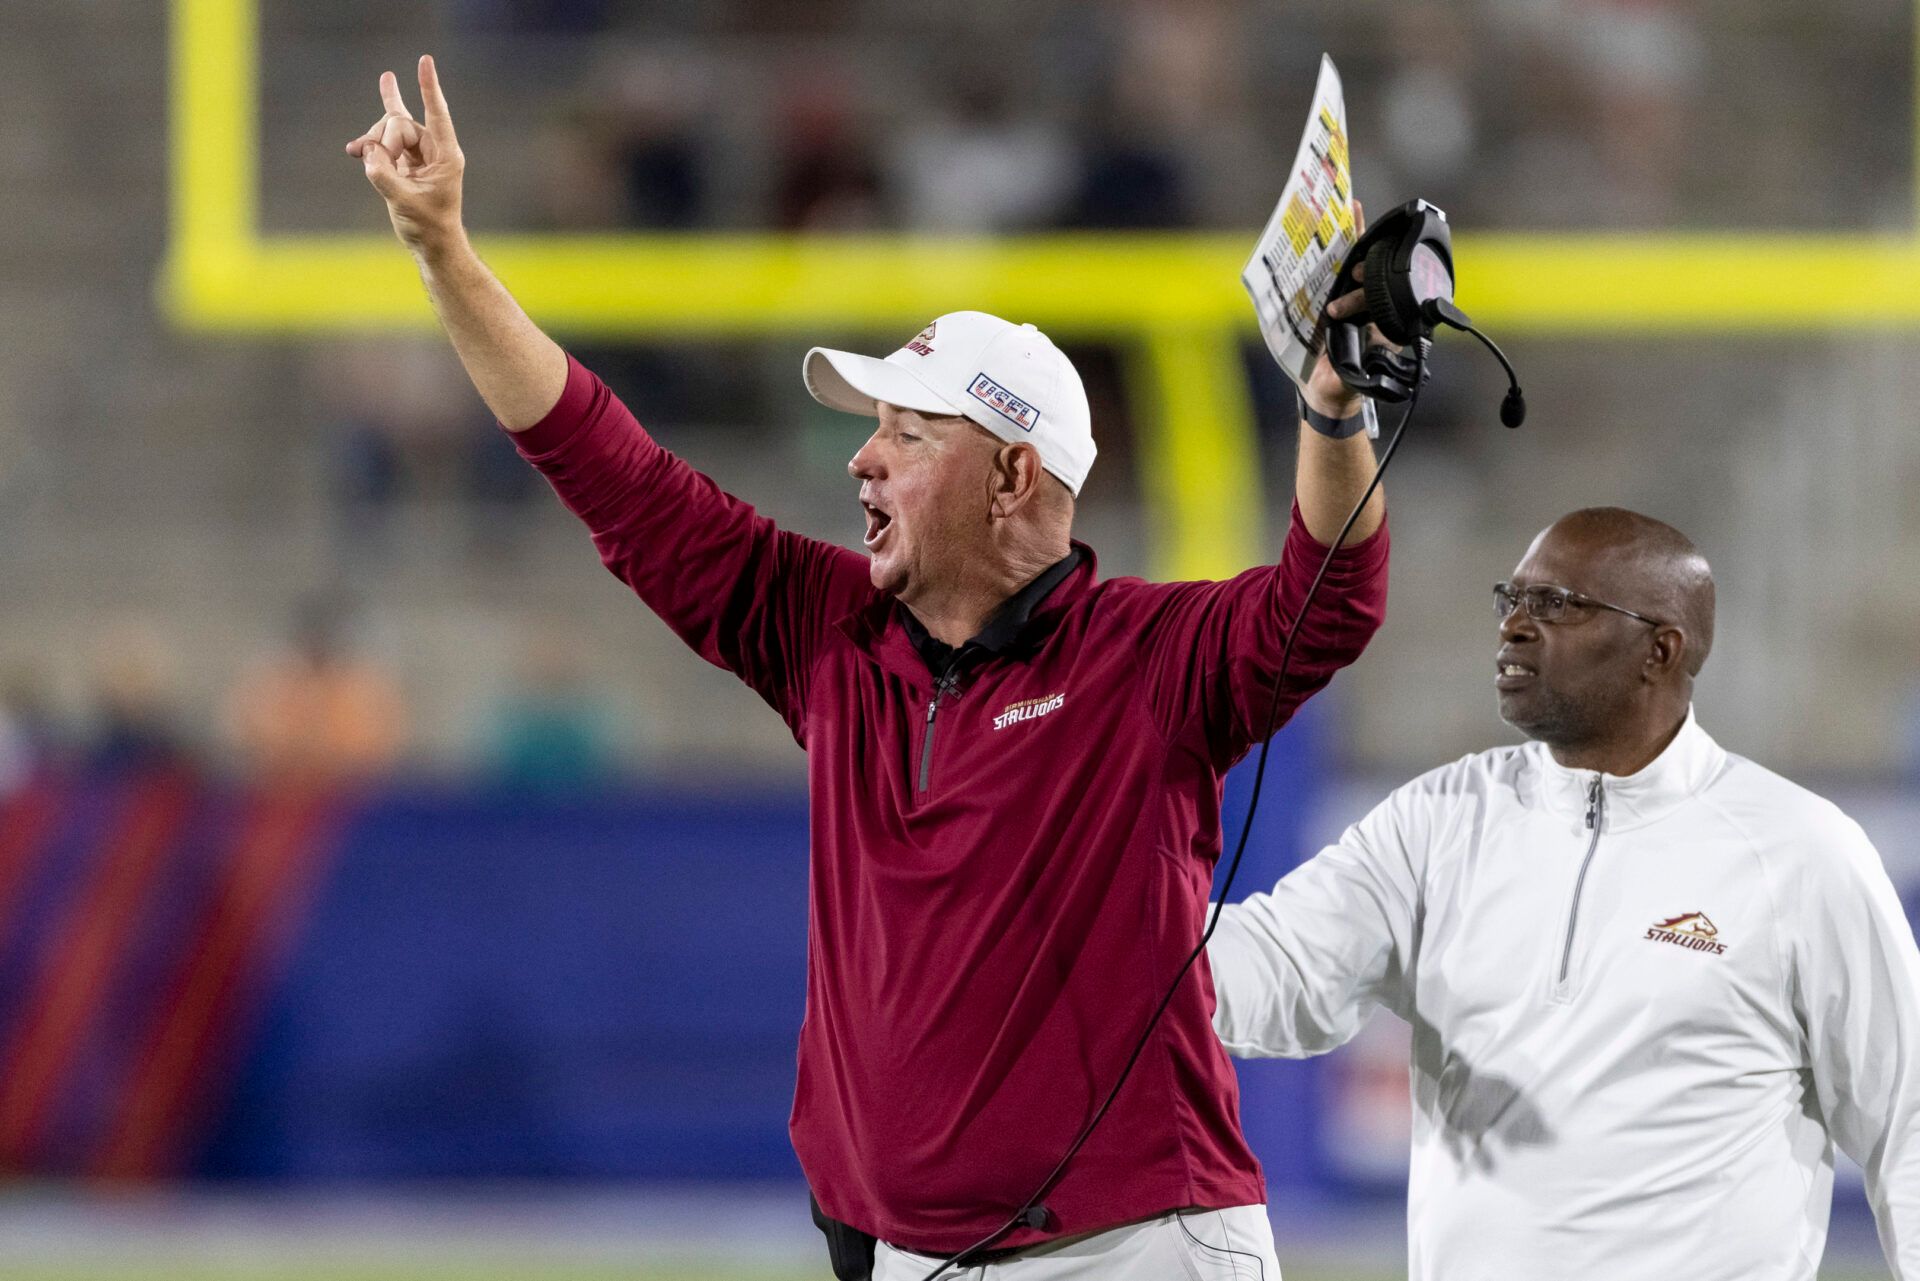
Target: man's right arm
418	169
516	368
1296	972
744	594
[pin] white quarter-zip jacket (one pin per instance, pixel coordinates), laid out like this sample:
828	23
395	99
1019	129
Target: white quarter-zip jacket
1644	1012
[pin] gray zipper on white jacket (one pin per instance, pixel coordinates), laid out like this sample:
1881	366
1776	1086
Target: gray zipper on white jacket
1596	823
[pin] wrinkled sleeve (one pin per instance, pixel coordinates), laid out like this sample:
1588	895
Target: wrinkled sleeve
1856	976
1297	972
744	594
1211	650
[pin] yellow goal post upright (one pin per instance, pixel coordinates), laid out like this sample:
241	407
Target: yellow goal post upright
1174	298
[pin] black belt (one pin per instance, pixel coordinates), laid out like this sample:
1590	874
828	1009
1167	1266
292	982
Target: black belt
980	1258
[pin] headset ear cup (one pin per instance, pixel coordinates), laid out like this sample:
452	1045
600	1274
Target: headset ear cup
1380	309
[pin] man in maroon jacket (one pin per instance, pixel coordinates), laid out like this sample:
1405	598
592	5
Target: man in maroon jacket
1015	766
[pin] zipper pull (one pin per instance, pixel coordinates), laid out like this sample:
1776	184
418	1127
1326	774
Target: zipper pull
1594	802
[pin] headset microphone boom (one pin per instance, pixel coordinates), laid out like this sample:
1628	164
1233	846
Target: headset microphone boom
1404	265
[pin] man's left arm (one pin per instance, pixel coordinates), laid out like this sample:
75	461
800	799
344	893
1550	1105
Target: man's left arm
1212	649
1333	467
1856	975
1336	457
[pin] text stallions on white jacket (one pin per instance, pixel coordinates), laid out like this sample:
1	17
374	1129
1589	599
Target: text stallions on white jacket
1644	1010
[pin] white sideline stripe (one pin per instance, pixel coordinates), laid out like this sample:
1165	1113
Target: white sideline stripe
757	1226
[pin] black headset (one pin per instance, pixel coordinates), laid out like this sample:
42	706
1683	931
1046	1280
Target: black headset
1404	265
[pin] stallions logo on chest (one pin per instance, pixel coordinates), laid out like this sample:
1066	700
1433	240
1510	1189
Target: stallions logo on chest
1692	931
1028	709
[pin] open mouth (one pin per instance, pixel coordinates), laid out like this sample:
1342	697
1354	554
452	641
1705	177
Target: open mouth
1511	675
878	522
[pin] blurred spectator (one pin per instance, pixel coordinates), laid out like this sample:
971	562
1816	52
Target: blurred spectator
1178	70
1602	107
1129	182
580	187
1543	171
403	426
980	165
829	178
1166	85
1602	110
632	153
1172	116
551	734
1432	126
135	715
384	402
1644	58
317	711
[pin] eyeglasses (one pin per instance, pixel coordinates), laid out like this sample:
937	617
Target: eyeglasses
1550	604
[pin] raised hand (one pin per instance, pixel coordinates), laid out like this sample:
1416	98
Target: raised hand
416	166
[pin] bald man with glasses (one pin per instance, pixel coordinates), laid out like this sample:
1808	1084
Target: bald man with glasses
1652	985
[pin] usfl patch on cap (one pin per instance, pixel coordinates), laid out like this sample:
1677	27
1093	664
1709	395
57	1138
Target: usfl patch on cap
1003	402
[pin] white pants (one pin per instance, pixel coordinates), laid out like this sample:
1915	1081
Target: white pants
1193	1245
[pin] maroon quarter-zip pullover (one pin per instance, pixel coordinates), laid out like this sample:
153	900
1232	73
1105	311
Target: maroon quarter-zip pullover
1007	870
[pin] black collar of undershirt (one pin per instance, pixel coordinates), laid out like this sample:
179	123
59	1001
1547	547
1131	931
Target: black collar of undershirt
1001	630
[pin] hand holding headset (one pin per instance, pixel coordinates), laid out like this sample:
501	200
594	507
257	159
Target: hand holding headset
1404	265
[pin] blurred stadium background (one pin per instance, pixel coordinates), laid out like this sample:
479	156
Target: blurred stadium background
384	894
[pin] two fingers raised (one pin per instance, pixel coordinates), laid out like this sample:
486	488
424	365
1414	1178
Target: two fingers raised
396	131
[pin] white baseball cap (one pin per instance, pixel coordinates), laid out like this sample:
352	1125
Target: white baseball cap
1009	378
